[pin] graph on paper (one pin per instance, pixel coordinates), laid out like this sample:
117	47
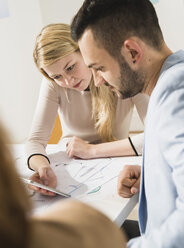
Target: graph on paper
79	177
91	181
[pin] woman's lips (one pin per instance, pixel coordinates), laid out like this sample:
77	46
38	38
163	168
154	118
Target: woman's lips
77	85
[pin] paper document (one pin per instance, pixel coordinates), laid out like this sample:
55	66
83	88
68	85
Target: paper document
86	180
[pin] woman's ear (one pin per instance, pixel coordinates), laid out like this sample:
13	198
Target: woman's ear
131	51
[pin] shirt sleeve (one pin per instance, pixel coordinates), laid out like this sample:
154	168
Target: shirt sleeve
44	119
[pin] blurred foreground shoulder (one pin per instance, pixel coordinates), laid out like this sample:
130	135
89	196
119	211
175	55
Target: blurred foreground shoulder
74	224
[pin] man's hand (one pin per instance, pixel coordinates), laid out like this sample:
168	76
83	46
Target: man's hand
78	148
46	176
129	181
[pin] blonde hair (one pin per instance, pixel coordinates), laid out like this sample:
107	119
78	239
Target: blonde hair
14	204
53	43
103	111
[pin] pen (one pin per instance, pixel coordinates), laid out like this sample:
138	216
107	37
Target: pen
28	181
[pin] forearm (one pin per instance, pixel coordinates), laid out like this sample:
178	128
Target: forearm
38	161
43	122
113	149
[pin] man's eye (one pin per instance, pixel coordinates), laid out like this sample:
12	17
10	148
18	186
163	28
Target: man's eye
100	68
70	68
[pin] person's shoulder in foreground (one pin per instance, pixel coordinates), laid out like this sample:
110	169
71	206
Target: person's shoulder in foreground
75	224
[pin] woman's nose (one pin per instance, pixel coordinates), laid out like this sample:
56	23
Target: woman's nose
69	81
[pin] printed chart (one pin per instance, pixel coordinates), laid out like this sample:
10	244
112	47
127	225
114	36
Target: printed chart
92	181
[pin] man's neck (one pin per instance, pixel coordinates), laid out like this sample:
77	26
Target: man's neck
154	65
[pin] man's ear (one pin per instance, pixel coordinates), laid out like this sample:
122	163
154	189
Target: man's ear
131	51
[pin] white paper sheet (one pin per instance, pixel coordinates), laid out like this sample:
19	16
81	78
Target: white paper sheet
93	181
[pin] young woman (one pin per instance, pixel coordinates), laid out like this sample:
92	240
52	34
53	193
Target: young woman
68	224
89	116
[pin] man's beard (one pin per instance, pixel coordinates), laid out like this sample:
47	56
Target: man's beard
130	82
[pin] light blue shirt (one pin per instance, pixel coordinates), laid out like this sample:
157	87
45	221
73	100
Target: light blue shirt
161	209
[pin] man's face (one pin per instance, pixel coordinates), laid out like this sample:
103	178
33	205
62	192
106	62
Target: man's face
117	74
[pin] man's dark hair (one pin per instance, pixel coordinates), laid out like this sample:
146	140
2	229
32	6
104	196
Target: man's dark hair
113	21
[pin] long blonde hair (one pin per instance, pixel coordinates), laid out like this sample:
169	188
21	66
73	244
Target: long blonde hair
14	204
53	43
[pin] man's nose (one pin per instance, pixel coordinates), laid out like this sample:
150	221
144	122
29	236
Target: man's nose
98	79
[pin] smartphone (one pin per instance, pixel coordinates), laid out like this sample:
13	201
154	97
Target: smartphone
39	185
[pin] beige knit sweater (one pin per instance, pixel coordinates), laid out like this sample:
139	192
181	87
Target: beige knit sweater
74	110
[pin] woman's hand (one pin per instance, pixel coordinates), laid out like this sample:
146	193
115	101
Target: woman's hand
45	175
78	148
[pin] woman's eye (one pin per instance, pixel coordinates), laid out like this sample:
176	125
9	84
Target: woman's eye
70	68
57	77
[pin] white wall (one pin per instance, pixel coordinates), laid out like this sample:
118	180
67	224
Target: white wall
171	19
19	83
20	80
53	11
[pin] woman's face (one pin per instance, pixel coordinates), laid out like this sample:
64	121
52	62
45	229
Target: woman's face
70	72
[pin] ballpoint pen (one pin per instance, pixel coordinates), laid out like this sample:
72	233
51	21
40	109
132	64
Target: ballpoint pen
39	185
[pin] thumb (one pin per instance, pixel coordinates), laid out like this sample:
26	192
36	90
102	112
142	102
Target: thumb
43	176
135	188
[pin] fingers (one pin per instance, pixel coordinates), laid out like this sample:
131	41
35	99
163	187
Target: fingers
75	147
70	147
136	187
129	181
40	178
36	178
43	176
124	187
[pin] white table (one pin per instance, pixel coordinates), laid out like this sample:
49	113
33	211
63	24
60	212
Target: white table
99	172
